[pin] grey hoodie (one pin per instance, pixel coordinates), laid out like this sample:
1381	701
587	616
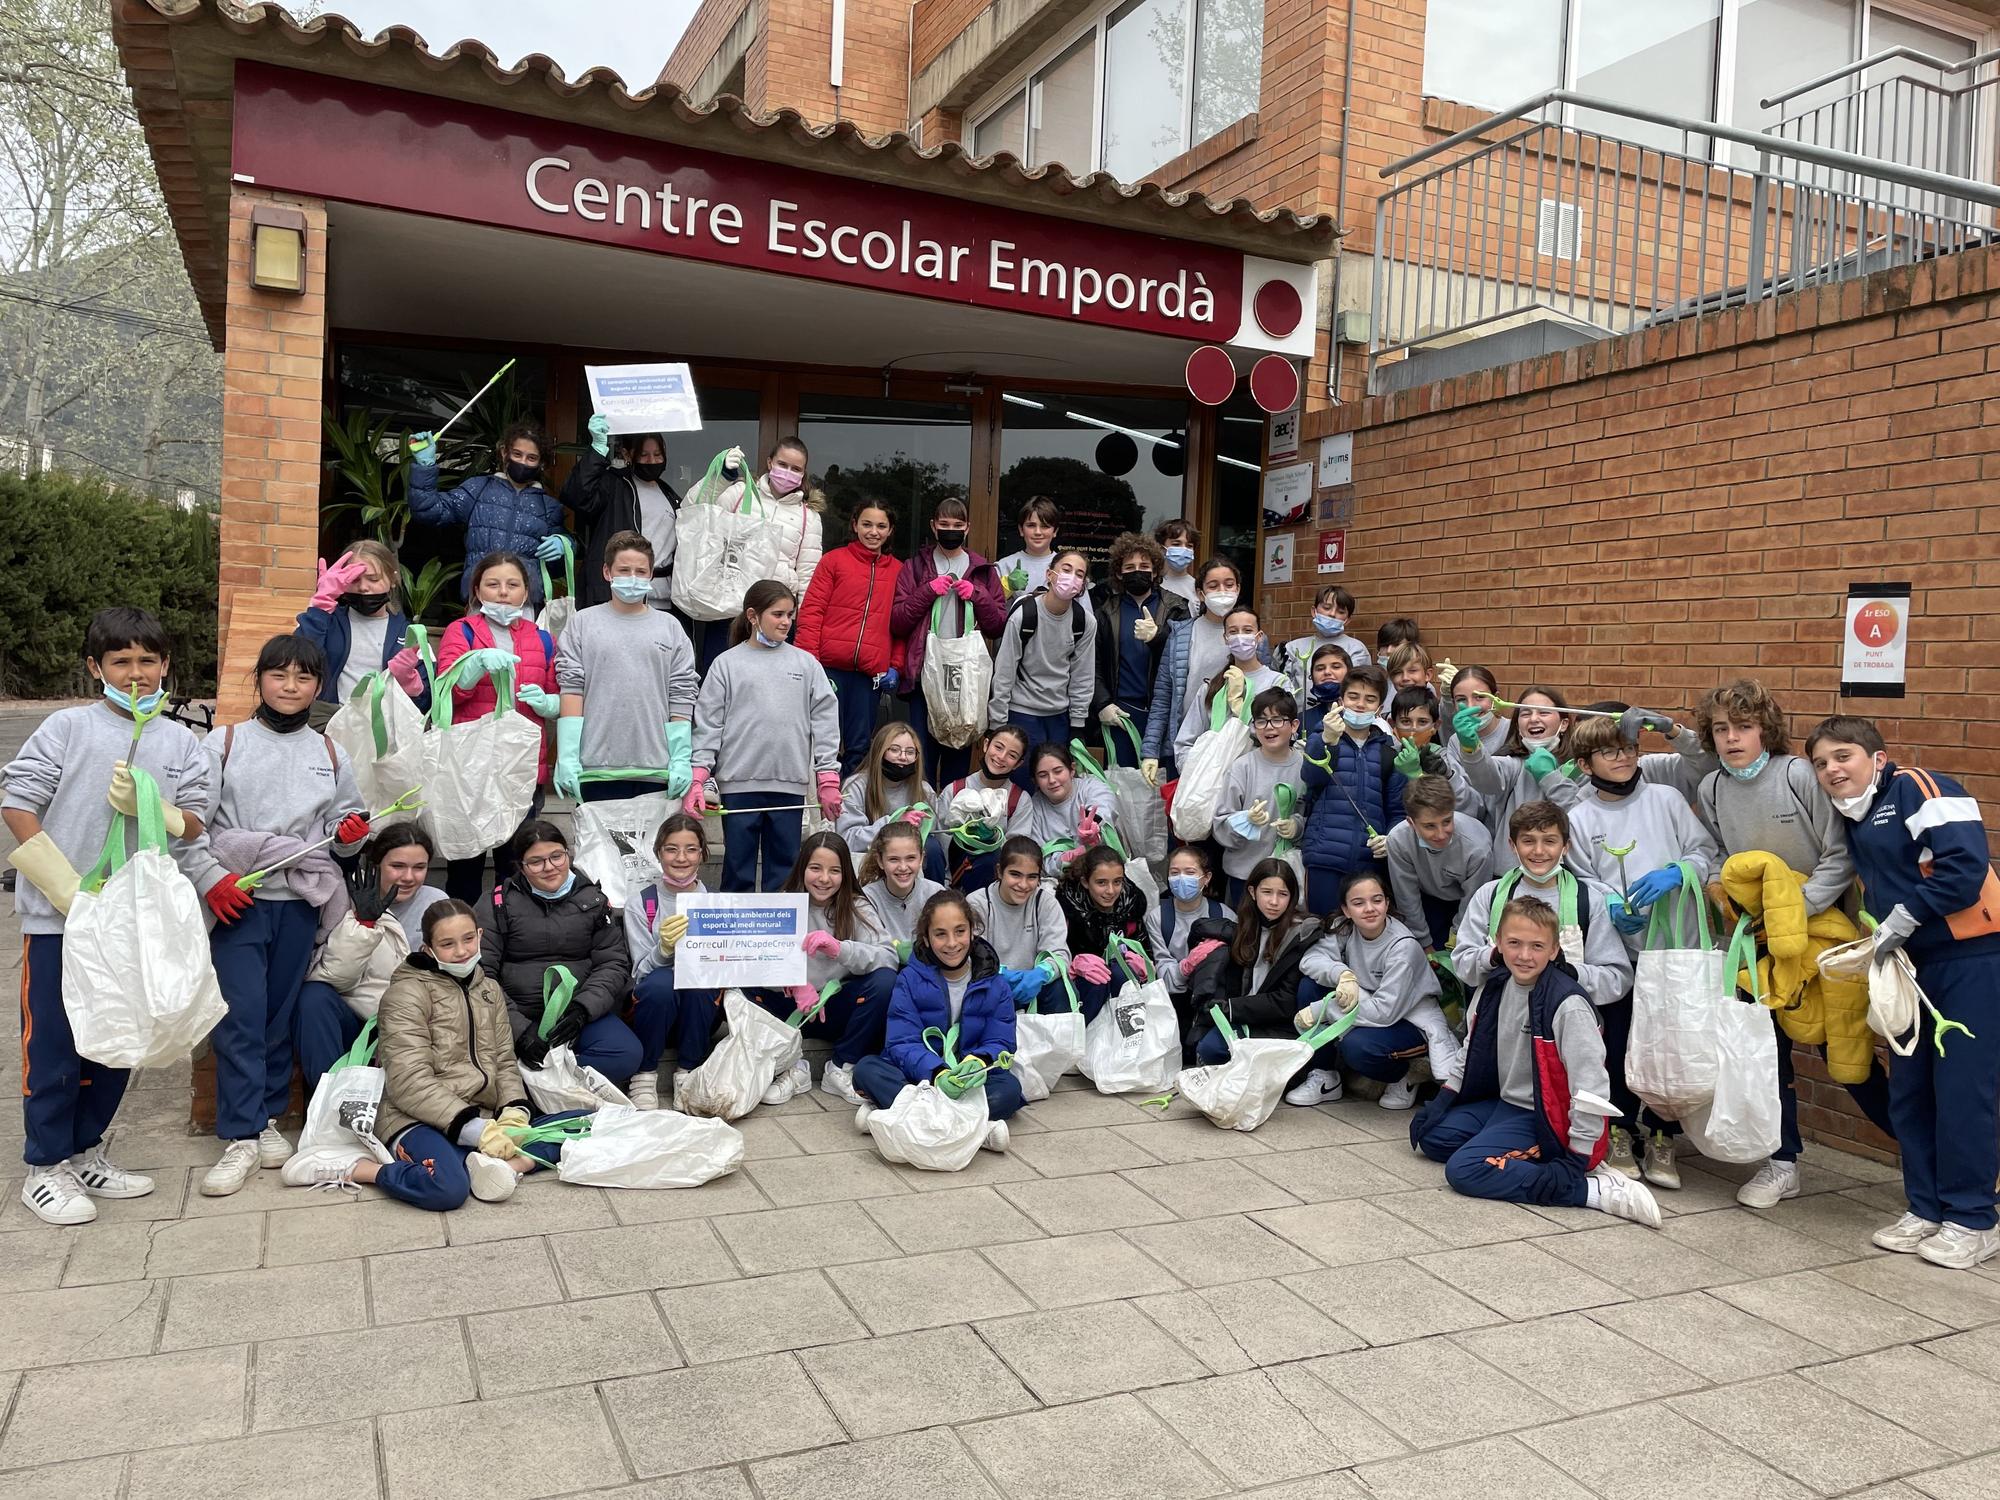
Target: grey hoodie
634	672
1393	970
298	785
1020	933
1255	777
897	915
857	827
1604	968
766	720
1783	811
1054	674
1449	874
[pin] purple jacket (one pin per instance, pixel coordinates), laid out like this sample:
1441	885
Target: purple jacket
910	619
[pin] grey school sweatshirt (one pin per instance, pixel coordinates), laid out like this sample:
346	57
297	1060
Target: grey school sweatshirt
1503	784
1255	778
634	672
298	784
897	915
62	774
1783	811
1655	817
766	720
1449	874
1054	674
867	950
1019	934
1392	968
1578	1041
1045	822
1198	716
857	827
642	933
1605	968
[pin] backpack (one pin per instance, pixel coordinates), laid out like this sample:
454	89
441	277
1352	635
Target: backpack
1031	621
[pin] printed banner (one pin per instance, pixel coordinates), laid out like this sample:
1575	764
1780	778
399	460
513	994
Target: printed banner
644	398
742	940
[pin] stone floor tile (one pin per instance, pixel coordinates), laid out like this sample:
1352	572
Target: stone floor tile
1521	1280
89	1479
1076	1153
1913	1282
1499	1468
1835	1220
1081	1109
542	1205
1831	1314
719	1414
420	1284
1580	1365
123	1252
762	1315
798	1239
1977	1351
1291	1129
572	1343
1398	1160
123	1405
332	1376
986	1169
1114	1449
1654	1453
1203	1189
1269	1425
32	1260
1076	1353
1715	1340
1209	1252
935	1378
524	1447
1642	1261
966	1219
912	1463
710	1484
1432	1392
1347	1233
1077	1205
826	1133
1455	1219
734	1194
599	1262
1850	1164
166	1201
79	1323
324	1463
1341	1485
795	1182
240	1307
1827	1444
1750	1242
1364	1120
765	1139
1699	1193
1192	1139
928	1291
265	1192
1080	1268
377	1228
1247	1325
1978	1480
1325	1173
1936	1399
1392	1302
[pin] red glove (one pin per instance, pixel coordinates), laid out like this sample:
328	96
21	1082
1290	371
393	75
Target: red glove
965	589
335	580
1070	856
829	794
1087	826
1197	954
1138	962
227	899
816	943
353	828
941	585
403	666
914	818
1090	969
804	997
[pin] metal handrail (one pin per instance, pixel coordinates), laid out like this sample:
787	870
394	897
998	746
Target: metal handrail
1888	54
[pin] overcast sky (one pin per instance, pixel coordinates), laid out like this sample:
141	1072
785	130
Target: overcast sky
632	36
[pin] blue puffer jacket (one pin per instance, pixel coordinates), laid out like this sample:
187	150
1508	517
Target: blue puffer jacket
985	1022
496	517
1334	838
1163	721
333	632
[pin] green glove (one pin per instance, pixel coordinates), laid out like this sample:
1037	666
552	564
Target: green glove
1017	579
680	757
1540	762
600	436
903	950
1408	761
545	704
1465	724
569	757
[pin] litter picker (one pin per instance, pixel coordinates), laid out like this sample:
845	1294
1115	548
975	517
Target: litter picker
405	803
474	401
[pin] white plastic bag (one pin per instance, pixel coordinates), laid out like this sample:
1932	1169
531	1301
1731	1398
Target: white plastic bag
561	1083
557	613
1134	1044
1242	1093
928	1130
956	677
1740	1123
1206	769
479	776
614	842
633	1148
346	1100
139	988
1046	1046
381	732
741	1066
1141	816
716	552
1677	994
1895	999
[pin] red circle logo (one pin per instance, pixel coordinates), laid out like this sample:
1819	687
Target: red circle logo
1211	375
1277	308
1274	383
1876	623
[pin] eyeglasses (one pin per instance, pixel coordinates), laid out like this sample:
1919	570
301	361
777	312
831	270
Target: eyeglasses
546	861
1269	723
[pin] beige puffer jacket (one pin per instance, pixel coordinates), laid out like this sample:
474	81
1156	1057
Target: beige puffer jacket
360	961
447	1049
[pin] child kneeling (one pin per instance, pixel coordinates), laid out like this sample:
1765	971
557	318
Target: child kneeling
1522	1118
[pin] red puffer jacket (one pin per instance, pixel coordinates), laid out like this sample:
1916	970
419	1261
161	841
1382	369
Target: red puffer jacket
526	640
844	620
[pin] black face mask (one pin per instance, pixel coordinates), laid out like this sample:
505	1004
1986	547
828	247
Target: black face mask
366	604
650	472
1138	583
893	772
1617	788
522	473
279	723
951	540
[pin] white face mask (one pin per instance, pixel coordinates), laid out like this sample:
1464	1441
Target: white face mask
1540	741
1854	809
1221	602
462	969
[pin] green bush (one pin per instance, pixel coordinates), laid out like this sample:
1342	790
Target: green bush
71	546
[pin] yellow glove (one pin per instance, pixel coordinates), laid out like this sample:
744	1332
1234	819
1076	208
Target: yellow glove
494	1141
1143	628
1348	991
1445	672
124	798
47	869
1232	687
672	930
1306	1019
1259	815
1150	769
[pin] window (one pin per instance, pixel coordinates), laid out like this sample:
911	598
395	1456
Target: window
1111	463
905	455
1145	72
1001	130
1061	107
1658	56
1477	52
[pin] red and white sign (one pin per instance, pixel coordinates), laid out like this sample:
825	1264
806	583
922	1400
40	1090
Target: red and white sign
1877	644
1333	551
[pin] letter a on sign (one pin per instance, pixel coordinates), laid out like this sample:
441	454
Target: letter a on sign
1876	642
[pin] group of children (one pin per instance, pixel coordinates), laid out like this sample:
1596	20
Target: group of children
1396	841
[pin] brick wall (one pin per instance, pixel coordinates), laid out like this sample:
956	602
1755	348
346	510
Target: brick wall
704	34
798	36
933	24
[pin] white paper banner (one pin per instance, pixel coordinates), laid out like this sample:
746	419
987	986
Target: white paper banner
644	398
741	941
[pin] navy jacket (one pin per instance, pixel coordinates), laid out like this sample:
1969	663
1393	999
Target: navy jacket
1481	1079
496	517
1334	838
1921	846
920	1001
332	631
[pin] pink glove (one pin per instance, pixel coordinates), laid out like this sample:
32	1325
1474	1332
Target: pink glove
1138	962
804	997
1069	856
346	571
1090	969
829	794
914	818
1087	826
941	585
816	943
694	801
403	666
1197	954
965	589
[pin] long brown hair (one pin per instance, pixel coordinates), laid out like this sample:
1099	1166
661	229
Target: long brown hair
1513	745
875	786
1250	921
759	597
844	912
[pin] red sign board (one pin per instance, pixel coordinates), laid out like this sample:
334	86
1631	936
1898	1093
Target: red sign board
357	143
1333	551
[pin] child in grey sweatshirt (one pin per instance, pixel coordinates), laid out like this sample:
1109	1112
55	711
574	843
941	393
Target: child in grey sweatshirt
1387	978
634	670
1019	915
1048	682
893	885
1251	815
1437	857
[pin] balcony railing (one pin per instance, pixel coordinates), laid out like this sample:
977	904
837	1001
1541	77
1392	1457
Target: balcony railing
1944	124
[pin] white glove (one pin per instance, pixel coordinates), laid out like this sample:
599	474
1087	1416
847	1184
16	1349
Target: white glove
1378	845
1445	672
733	459
1111	715
1329	727
1150	769
1285	828
1348	990
1143	629
1259	813
124	798
1572	943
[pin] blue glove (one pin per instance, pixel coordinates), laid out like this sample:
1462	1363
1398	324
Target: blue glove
890	681
1540	762
1652	886
545	704
1241	826
424	449
569	757
1625	921
1026	984
680	757
600	435
551	547
1424	1119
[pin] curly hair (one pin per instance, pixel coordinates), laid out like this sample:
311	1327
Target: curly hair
1128	542
1745	698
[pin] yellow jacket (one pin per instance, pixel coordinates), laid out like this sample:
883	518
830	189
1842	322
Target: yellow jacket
1814	1008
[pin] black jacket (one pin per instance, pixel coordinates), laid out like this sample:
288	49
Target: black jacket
606	502
1108	643
1220	980
1091	930
522	937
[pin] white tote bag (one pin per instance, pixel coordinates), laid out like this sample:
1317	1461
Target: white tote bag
614	842
741	1066
346	1101
478	777
1895	999
957	677
716	551
1046	1046
557	613
1141	815
633	1148
1206	769
1242	1093
381	732
139	988
928	1129
1677	994
562	1083
1134	1044
1740	1123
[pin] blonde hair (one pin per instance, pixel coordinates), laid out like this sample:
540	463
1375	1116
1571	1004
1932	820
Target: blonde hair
386	564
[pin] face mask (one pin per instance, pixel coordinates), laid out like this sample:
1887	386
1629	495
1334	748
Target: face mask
650	472
1178	558
949	539
1066	585
631	590
1220	603
1329	625
765	640
1184	887
1541	741
501	614
568	885
893	772
1138	583
522	473
1616	788
279	723
1533	879
680	885
783	481
122	698
457	969
1854	809
366	604
1242	647
1749	772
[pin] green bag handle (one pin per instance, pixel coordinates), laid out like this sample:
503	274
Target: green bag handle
1218	711
1115	950
152	827
361	1054
1284	803
1111	747
962	1074
1062	973
371	688
1221	1023
1566	894
569	570
930	818
558	987
1742	959
974	836
551	1130
443	687
964	612
1662	928
1083	757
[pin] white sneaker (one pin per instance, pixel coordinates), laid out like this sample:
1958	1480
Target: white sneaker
54	1196
319	1166
1775	1181
1958	1248
644	1091
1906	1234
802	1078
239	1160
1619	1158
838	1080
1659	1168
1401	1094
493	1181
861	1118
680	1077
273	1150
1320	1086
100	1177
787	1085
996	1137
1622	1197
